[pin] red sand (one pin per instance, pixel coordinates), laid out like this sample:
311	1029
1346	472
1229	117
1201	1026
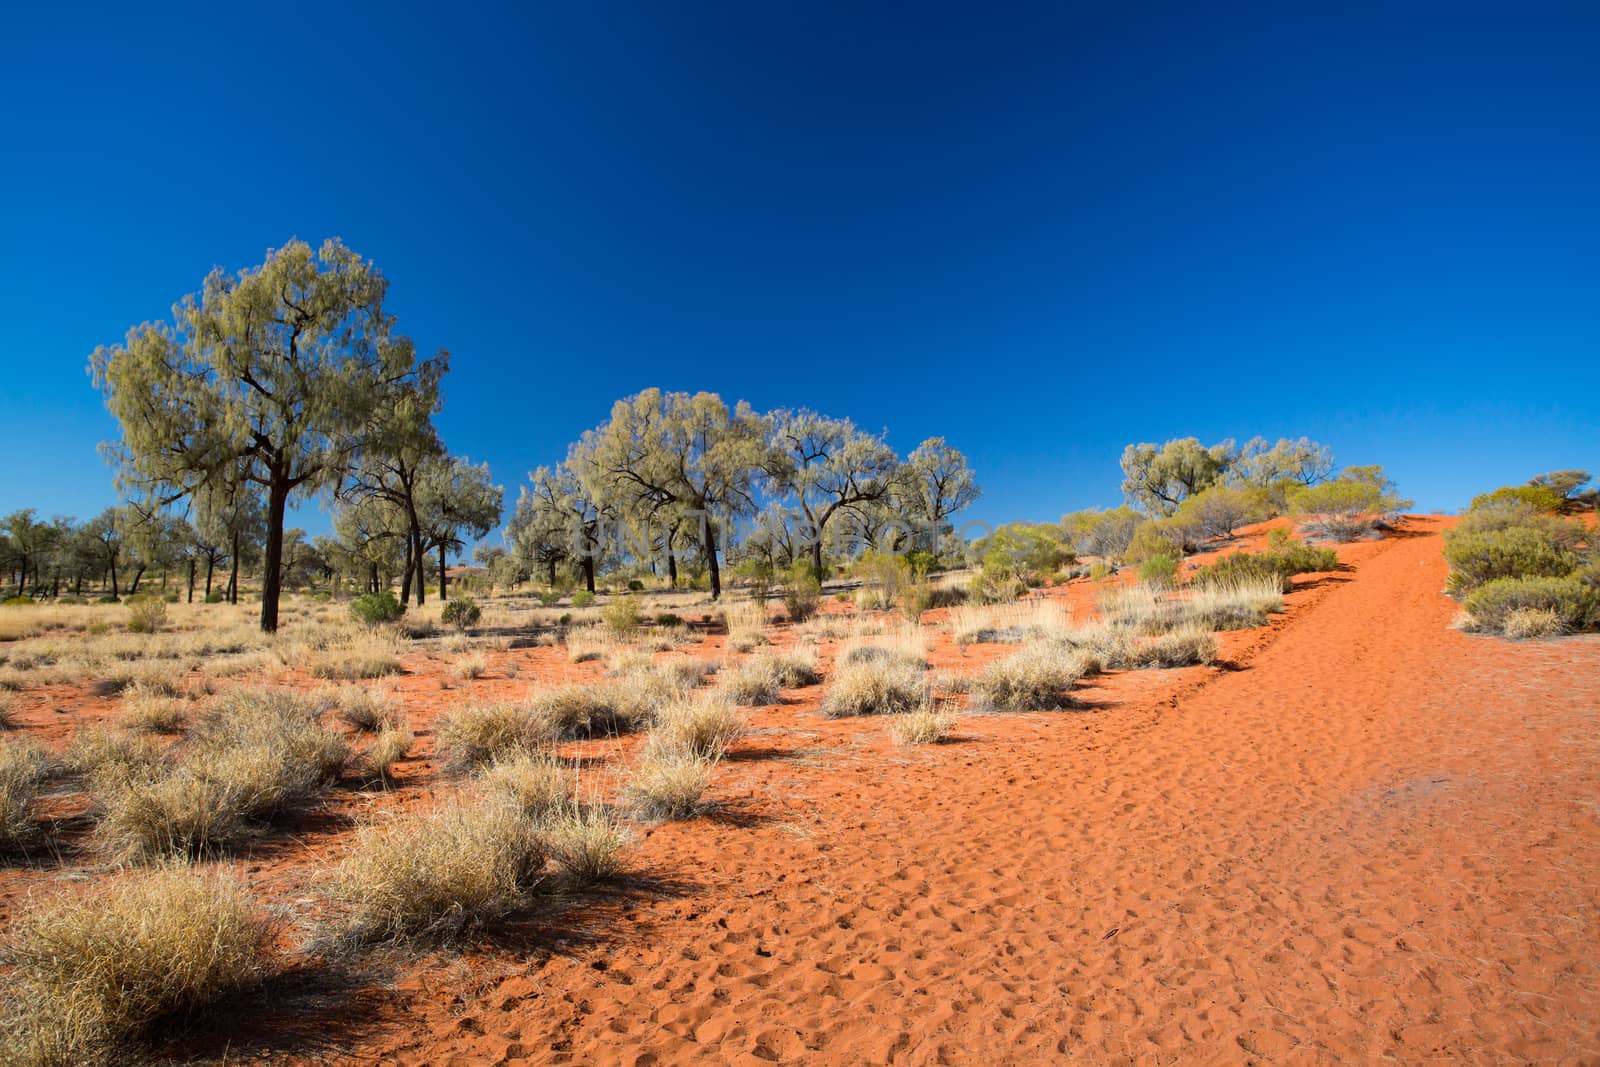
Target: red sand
1363	837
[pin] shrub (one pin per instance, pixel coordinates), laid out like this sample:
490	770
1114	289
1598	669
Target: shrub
587	843
433	873
463	612
668	785
1219	510
146	616
1482	551
667	618
17	600
621	617
24	766
752	682
1099	572
1159	571
477	733
215	598
583	599
91	972
108	599
1575	604
1348	506
1273	565
473	666
147	708
924	726
802	597
1538	497
373	657
702	727
1038	677
875	686
376	608
570	711
1170	537
537	783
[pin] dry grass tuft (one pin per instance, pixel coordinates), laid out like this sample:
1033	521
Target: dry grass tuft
587	642
924	726
431	874
478	733
387	749
1037	677
368	656
8	713
368	710
586	842
1522	624
102	753
1184	647
537	783
668	786
703	727
92	972
472	667
24	767
152	711
875	685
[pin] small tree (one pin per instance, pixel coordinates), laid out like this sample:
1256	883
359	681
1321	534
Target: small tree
1158	478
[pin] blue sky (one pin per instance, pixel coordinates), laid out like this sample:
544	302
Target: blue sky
1042	232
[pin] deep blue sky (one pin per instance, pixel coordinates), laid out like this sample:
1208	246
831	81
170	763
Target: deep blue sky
1040	232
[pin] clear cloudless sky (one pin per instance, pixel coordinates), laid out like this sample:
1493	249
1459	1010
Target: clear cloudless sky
1042	231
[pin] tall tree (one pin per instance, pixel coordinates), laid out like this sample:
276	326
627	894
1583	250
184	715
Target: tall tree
103	537
933	484
559	516
825	465
271	374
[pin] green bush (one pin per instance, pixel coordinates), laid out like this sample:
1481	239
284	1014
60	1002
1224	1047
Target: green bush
583	599
146	615
1295	557
635	585
170	598
108	599
215	597
18	599
322	595
667	618
461	613
621	617
802	596
376	608
1538	497
1160	571
1480	550
549	598
1575	603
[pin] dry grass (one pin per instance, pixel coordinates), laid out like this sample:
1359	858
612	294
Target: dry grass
368	710
747	624
571	711
387	749
702	726
875	685
1037	619
102	753
474	734
668	786
537	783
366	656
433	873
587	643
8	713
924	726
471	667
1522	624
152	711
586	842
92	972
24	768
1037	677
904	646
1183	647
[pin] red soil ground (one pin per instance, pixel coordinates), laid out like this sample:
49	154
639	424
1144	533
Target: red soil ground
1362	837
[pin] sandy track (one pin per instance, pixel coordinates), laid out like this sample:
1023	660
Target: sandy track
1369	838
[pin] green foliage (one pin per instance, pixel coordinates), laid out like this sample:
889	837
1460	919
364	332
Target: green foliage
215	597
461	613
1538	497
71	601
621	616
1221	509
1099	572
667	618
18	599
1106	534
1159	537
108	599
1509	541
146	616
802	596
1276	564
1349	506
635	585
583	599
1565	484
1159	478
1575	603
376	608
549	598
1025	553
1158	571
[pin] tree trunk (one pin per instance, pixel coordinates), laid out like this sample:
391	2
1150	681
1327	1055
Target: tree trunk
441	573
233	575
816	559
710	539
191	580
211	562
133	589
552	574
373	588
272	568
420	554
672	569
588	573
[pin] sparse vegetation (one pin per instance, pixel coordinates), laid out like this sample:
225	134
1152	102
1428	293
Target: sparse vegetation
24	767
924	726
1038	677
587	843
875	684
478	733
538	783
462	613
668	785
